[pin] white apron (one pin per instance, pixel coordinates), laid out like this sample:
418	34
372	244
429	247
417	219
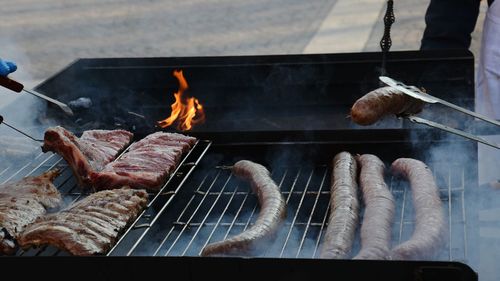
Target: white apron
488	72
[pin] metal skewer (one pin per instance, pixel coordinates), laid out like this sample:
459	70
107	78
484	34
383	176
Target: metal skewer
17	130
414	92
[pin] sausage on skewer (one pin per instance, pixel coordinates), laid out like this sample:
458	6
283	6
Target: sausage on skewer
272	212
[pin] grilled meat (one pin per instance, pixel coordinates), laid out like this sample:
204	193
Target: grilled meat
146	164
430	222
91	152
344	208
272	212
21	203
90	226
383	101
379	209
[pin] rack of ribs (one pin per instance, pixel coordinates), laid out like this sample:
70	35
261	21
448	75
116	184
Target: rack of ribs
147	163
90	226
89	153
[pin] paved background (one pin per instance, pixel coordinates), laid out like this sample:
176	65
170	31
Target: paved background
43	36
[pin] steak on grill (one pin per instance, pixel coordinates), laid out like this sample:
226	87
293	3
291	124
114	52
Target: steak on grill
21	203
146	164
90	226
91	152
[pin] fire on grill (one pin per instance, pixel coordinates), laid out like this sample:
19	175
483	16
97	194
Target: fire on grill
186	111
277	171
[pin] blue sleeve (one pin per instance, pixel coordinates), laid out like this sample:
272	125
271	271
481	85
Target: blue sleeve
7	67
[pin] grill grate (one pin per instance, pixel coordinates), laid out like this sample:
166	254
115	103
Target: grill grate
214	206
203	203
71	193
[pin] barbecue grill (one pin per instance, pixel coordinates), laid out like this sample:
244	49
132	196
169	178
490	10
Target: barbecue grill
287	112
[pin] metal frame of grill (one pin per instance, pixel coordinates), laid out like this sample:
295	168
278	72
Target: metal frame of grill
338	79
200	196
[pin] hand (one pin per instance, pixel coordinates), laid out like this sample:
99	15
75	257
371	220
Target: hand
7	67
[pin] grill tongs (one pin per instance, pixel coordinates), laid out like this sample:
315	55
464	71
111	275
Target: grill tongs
414	92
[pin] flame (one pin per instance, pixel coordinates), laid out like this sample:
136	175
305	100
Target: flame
187	111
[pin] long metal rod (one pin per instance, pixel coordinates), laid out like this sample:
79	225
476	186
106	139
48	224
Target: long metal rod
206	216
468	112
197	224
323	225
233	222
161	191
219	219
463	215
205	195
197	191
308	224
25	166
296	213
21	132
450	257
402	217
429	123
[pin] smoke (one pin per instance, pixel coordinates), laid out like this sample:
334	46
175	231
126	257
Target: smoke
466	195
489	161
19	110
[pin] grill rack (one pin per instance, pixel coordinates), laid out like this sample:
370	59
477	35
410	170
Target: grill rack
71	193
306	223
213	205
209	199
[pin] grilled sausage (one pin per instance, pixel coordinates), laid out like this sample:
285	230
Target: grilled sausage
272	213
379	209
383	101
430	222
344	208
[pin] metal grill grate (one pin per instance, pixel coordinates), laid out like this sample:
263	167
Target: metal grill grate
70	192
208	204
214	205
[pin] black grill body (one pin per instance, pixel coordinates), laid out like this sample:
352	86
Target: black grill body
287	112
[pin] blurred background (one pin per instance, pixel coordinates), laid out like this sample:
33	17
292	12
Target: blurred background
43	36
